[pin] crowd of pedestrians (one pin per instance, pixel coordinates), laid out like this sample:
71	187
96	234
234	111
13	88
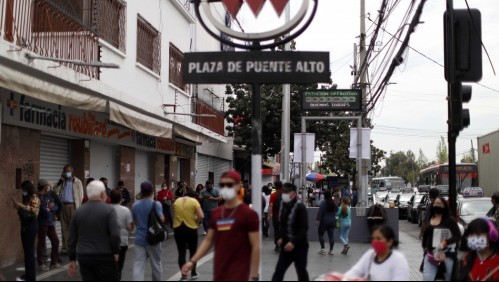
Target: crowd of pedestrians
96	222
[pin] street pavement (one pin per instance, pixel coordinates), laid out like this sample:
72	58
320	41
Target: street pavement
317	264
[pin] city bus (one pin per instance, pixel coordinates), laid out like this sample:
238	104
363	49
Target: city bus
466	175
386	184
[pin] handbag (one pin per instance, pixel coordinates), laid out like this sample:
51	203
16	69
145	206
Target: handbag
25	215
156	230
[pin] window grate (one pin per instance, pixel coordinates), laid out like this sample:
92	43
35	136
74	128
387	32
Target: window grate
148	46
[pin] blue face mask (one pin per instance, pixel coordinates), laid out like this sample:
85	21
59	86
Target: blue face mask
68	175
25	193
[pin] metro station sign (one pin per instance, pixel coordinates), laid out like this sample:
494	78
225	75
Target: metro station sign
256	67
332	100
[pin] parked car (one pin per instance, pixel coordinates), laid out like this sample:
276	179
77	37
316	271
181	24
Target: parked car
472	205
402	202
413	207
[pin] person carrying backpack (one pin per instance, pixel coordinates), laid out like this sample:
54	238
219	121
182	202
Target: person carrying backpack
274	207
143	211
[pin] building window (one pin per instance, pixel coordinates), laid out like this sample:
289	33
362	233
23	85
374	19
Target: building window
176	66
111	22
148	46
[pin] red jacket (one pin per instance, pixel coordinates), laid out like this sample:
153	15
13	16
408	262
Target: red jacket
165	194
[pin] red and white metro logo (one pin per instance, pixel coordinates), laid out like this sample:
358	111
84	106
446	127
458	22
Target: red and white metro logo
486	149
233	6
253	40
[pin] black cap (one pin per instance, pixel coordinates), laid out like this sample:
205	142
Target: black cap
289	187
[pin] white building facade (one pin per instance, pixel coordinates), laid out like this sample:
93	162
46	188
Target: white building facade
61	103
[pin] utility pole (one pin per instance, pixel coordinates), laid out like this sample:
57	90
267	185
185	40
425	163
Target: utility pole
286	116
363	86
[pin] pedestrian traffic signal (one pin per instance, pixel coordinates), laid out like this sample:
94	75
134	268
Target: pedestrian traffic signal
460	118
463	49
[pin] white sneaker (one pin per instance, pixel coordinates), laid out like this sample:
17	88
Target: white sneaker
19	279
322	252
331	253
204	233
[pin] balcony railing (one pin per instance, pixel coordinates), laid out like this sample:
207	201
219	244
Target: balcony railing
60	29
215	124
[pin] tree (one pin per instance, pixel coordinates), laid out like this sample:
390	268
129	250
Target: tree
442	152
402	164
468	158
422	160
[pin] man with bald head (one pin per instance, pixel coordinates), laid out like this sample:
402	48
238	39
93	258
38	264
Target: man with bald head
94	237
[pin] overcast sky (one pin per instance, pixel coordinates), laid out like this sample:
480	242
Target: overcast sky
414	112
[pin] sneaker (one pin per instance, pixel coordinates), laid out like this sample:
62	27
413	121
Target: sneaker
44	268
55	266
184	278
331	253
322	252
20	279
347	248
194	276
204	233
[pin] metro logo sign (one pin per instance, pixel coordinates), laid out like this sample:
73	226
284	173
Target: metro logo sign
234	6
486	149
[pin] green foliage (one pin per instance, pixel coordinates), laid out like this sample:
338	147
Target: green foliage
405	165
442	152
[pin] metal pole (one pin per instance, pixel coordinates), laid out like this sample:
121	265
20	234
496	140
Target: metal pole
451	135
363	172
359	162
256	156
286	117
303	151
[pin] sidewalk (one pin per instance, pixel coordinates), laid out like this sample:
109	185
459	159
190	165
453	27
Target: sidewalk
317	265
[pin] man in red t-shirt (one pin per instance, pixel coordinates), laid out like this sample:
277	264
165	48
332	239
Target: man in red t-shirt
235	232
274	207
165	197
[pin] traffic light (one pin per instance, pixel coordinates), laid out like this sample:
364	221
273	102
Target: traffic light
466	63
460	118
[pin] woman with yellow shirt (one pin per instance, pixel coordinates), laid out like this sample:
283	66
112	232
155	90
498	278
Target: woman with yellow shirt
187	215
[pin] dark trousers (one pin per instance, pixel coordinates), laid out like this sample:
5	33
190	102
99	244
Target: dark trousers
121	261
330	232
99	270
277	231
28	236
167	212
206	220
265	224
299	256
186	238
51	233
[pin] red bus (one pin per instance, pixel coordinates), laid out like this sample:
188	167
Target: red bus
466	175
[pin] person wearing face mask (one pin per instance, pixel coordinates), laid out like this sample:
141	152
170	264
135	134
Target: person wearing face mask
383	262
28	212
440	236
46	221
235	233
293	240
481	240
210	197
70	190
165	197
95	238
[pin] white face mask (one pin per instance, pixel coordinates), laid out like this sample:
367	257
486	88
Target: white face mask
68	175
228	194
478	243
286	198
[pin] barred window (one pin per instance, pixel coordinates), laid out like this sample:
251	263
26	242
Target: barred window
111	22
176	66
148	45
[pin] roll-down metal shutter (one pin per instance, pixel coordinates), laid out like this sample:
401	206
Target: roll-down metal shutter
220	166
202	169
54	155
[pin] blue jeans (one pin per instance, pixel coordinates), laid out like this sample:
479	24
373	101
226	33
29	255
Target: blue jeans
344	232
430	270
206	220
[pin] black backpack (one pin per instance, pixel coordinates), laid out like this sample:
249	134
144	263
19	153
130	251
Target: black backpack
156	230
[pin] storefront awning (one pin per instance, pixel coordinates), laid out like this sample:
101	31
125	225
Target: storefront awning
190	134
139	122
37	84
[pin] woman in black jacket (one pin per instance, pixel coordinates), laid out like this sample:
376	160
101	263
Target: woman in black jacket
28	213
326	219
